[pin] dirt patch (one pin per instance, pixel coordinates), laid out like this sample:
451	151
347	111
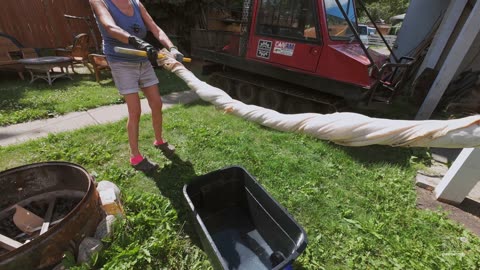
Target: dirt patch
467	213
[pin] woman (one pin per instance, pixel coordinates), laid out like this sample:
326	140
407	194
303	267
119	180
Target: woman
124	23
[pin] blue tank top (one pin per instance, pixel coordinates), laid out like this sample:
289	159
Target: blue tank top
134	25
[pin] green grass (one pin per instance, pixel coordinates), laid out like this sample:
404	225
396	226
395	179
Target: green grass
357	205
21	101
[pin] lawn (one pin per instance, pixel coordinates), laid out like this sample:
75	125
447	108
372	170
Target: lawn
357	205
22	102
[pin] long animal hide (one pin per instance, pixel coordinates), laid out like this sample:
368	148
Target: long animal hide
349	129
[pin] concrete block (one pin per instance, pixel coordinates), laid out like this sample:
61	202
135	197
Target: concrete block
104	185
111	204
87	248
105	228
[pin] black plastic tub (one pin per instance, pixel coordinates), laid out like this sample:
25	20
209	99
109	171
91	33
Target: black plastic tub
240	225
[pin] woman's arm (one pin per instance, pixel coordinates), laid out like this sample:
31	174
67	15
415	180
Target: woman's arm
107	21
118	33
154	28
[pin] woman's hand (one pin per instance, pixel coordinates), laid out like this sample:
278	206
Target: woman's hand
176	54
140	44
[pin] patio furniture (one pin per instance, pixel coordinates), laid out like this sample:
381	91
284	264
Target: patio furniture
78	51
99	63
7	62
28	53
42	67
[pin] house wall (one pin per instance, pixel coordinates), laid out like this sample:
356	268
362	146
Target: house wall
472	60
419	23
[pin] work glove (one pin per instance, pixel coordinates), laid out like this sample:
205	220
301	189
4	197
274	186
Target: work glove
139	44
176	54
168	62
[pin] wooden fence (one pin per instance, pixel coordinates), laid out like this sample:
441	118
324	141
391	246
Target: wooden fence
42	24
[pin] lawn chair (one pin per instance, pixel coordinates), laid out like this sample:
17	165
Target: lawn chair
7	60
7	64
28	53
99	63
78	51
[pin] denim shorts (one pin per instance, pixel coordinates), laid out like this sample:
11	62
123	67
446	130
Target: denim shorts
131	77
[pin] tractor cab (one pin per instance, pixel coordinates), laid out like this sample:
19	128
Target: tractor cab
311	36
311	43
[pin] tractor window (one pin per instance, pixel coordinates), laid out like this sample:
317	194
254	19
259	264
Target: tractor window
338	27
294	19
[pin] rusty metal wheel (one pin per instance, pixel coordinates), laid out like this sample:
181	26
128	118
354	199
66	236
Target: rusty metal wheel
76	208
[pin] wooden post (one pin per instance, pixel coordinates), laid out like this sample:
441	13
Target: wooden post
455	57
461	178
8	243
48	217
444	32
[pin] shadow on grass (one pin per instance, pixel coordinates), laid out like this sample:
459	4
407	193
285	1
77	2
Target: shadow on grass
13	88
378	154
197	103
170	181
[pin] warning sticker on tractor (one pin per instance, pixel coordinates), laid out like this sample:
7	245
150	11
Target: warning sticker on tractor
264	49
284	48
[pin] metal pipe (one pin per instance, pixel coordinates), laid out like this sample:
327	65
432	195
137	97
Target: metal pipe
378	30
355	33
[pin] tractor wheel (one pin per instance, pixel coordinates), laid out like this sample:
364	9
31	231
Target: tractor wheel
271	100
228	86
295	105
247	93
213	79
323	108
225	84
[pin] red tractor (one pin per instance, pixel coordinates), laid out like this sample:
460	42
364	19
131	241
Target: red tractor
286	54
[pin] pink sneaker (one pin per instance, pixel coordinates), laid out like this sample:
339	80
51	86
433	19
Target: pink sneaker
145	166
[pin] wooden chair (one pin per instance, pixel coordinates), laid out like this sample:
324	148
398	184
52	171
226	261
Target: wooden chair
28	53
99	63
7	64
7	60
79	51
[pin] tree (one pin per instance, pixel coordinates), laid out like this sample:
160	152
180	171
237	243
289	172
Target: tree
384	9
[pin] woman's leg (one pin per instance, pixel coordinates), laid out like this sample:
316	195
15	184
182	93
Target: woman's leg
155	103
134	112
